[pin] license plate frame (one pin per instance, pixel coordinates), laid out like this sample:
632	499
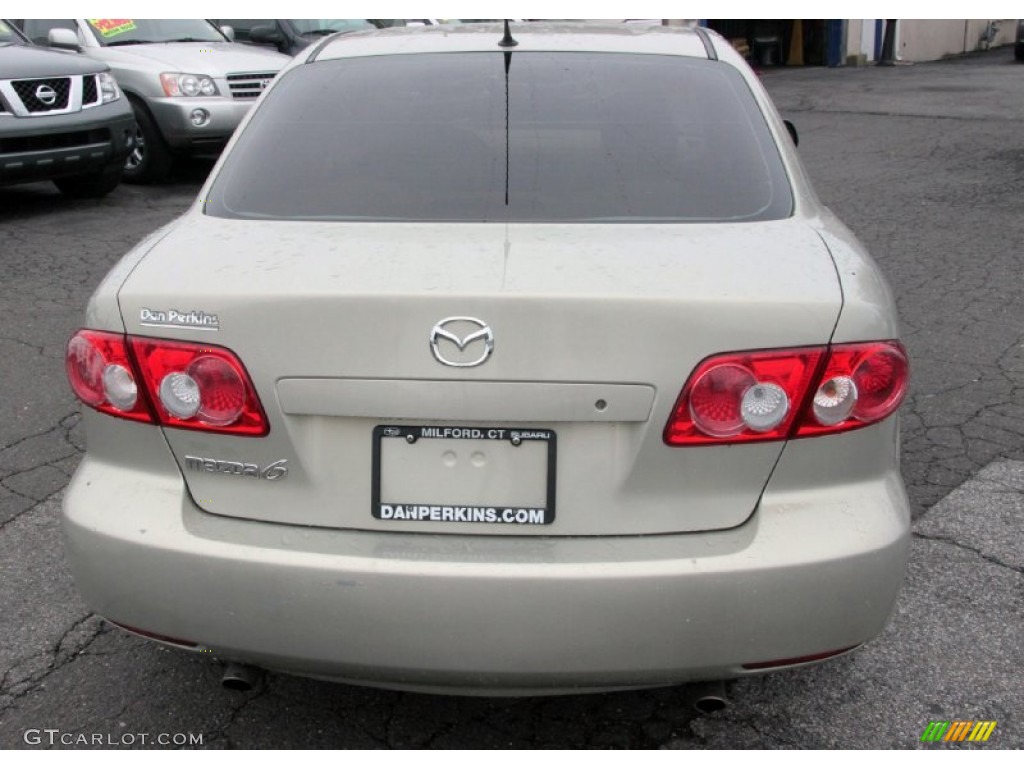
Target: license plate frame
427	510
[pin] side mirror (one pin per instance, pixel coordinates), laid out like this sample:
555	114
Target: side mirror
228	32
265	34
64	39
792	133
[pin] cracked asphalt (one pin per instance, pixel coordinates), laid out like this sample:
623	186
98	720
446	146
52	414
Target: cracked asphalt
924	162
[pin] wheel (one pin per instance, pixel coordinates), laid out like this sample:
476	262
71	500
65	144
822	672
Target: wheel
95	184
1018	52
150	160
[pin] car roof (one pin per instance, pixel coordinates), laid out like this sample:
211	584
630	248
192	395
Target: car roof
532	36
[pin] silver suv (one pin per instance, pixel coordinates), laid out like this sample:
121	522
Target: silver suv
188	83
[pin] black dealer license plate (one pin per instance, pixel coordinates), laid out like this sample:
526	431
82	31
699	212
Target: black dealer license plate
464	475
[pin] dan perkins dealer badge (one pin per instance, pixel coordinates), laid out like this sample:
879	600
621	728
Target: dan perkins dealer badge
172	318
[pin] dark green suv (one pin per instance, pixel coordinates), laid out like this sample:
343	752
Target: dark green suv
62	118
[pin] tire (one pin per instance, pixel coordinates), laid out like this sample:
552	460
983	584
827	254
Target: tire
96	184
150	159
1018	52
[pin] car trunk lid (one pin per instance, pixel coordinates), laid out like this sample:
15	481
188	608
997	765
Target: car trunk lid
595	329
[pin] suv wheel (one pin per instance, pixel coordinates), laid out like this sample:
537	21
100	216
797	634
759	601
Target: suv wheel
150	160
96	184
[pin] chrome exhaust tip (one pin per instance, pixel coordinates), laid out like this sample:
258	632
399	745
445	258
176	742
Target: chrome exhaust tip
708	697
240	677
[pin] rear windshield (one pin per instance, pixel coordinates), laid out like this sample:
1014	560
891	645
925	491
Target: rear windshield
552	137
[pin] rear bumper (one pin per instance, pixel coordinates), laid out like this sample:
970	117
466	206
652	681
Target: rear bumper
810	571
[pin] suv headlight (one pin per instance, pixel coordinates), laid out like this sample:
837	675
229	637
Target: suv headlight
182	84
108	87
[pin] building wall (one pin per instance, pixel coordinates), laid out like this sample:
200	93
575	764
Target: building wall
916	39
930	39
927	39
853	36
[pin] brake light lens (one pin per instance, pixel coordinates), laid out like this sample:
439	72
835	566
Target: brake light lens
778	394
744	397
101	375
199	386
171	383
860	385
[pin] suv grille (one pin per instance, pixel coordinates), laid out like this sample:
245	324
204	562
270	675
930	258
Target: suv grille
249	85
40	97
89	92
48	95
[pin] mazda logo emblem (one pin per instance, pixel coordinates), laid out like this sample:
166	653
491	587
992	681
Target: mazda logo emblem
46	95
471	330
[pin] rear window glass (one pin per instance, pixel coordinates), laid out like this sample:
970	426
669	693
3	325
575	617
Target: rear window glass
555	137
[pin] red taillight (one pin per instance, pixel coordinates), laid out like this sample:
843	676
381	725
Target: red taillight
744	397
861	384
182	384
777	394
102	376
198	386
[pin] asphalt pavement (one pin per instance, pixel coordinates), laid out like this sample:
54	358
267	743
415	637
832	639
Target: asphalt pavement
925	163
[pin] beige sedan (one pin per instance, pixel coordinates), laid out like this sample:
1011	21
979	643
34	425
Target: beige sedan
503	362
